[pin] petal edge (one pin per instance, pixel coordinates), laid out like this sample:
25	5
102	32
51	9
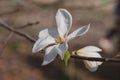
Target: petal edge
79	32
64	22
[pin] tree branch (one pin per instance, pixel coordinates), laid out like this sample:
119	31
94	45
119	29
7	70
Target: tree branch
4	25
27	25
96	59
7	39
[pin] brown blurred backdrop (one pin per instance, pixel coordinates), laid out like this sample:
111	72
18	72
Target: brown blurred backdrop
17	61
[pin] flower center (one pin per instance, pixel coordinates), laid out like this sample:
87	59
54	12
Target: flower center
60	40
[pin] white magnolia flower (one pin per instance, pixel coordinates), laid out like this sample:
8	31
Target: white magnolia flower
57	36
90	51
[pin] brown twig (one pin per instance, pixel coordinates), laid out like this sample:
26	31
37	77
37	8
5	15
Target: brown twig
27	25
7	39
5	42
96	59
4	25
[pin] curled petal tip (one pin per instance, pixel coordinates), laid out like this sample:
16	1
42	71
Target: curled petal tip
91	65
93	69
79	32
89	24
87	27
61	9
33	51
44	63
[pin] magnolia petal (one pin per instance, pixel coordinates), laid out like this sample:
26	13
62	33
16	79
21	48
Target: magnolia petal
97	55
91	65
50	54
61	49
43	34
64	21
89	54
79	32
48	32
90	49
42	43
98	63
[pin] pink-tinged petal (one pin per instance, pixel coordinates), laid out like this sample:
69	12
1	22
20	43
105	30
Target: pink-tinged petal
42	43
50	54
79	32
48	32
64	22
90	49
61	49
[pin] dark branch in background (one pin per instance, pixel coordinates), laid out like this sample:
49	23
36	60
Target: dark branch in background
30	24
7	39
6	42
4	25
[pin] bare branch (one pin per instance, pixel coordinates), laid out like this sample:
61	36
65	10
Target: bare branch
96	59
27	25
4	25
5	42
8	38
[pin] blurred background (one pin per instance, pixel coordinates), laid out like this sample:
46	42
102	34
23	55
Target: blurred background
17	62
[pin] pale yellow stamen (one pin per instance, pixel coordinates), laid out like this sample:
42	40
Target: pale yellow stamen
60	40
